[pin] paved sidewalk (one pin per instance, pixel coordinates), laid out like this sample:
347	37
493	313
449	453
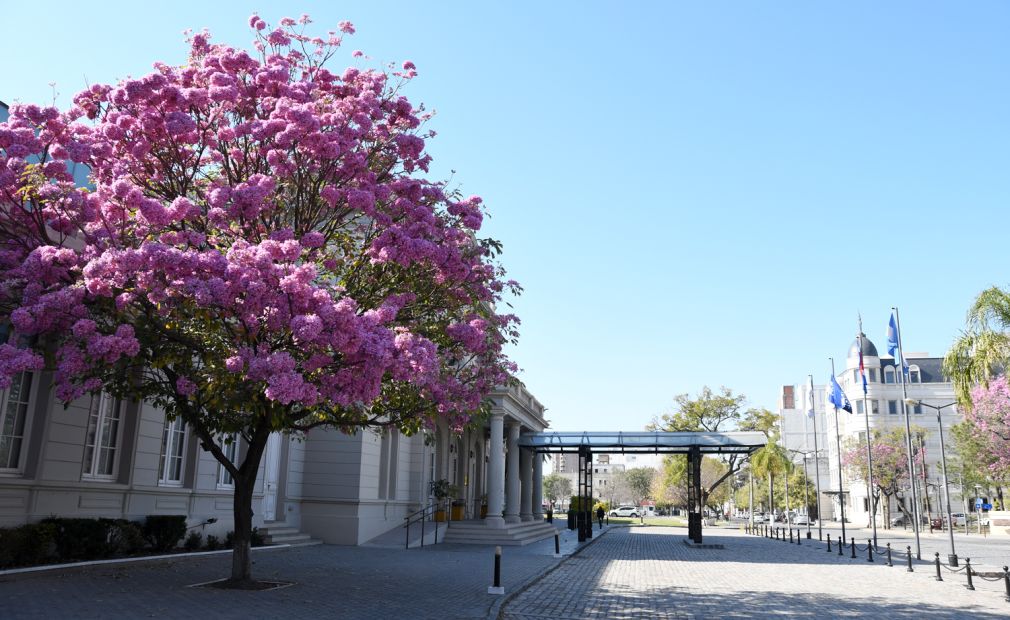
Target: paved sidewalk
438	582
647	572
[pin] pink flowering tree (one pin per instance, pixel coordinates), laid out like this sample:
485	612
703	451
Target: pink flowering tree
890	463
259	251
987	424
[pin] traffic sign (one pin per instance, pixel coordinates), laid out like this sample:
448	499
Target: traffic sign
986	506
978	504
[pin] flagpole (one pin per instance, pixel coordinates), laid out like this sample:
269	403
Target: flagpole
908	436
870	497
838	443
817	464
806	476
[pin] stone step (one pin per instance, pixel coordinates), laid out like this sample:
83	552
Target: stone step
276	530
511	534
284	539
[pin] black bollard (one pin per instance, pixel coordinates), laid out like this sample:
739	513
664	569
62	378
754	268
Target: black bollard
967	570
790	536
1006	582
889	555
939	577
841	545
869	550
798	536
776	533
908	553
496	588
557	545
829	543
853	547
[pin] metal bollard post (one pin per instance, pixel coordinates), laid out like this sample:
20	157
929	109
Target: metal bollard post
776	531
967	570
557	545
889	555
496	588
939	577
790	536
1006	582
869	550
852	547
798	536
908	552
829	543
841	545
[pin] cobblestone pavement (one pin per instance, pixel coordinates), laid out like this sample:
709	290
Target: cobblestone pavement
440	582
647	572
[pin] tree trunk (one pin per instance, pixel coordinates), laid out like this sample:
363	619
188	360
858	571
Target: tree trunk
245	481
241	560
771	498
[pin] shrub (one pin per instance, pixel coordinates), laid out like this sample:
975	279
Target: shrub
229	539
81	539
256	538
164	532
27	545
126	537
193	541
213	544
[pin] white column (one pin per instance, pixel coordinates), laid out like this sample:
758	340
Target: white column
512	476
496	473
538	487
526	473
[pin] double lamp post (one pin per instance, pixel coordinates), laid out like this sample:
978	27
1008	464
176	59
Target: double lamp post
952	556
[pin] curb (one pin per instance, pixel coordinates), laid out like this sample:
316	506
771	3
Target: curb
495	612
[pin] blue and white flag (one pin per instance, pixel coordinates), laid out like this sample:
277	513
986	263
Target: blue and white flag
837	396
892	335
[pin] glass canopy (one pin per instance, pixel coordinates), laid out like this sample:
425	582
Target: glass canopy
736	442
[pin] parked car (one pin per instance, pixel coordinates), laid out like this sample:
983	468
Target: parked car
905	519
760	517
802	520
959	519
625	511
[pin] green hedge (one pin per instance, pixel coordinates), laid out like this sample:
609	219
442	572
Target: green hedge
56	540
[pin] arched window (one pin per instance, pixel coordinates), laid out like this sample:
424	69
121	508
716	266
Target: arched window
889	374
914	376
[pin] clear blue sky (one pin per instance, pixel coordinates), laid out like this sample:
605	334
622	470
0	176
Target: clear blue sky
691	195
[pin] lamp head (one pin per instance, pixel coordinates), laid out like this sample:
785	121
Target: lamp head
912	401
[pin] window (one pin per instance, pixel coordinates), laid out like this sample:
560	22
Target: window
102	441
229	445
892	407
889	375
914	376
173	446
855	376
859	406
873	375
13	414
875	405
917	409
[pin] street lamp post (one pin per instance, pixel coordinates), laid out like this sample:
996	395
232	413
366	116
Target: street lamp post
952	556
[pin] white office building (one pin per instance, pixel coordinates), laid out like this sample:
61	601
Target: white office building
882	408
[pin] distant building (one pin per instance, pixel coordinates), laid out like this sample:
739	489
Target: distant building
925	382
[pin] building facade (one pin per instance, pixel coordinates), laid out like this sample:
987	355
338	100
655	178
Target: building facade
882	408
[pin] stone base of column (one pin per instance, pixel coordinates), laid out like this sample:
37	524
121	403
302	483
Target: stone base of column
526	518
495	522
513	519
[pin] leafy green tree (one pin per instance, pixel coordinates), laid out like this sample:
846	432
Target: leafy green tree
714	412
556	487
770	461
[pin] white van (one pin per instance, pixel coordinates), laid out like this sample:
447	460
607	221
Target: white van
959	519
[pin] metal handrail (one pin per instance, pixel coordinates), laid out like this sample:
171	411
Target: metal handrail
421	515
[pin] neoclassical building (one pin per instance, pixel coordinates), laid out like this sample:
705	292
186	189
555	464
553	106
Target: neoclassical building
883	402
102	457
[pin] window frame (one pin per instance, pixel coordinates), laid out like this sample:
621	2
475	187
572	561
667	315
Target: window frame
169	433
889	373
24	415
88	470
225	481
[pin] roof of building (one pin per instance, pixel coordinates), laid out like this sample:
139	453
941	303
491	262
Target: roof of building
930	368
869	350
743	442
